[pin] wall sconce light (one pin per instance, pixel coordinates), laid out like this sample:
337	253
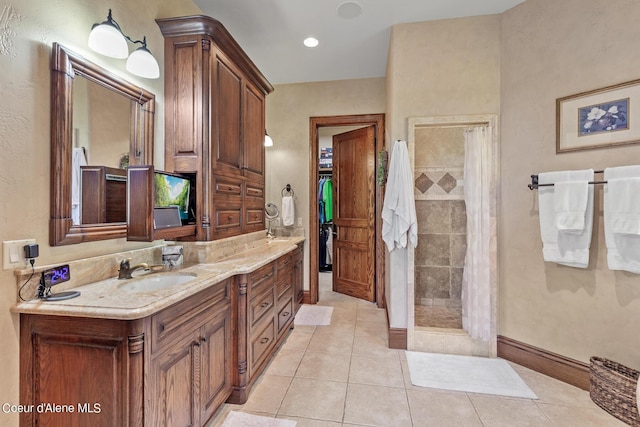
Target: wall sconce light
107	38
268	142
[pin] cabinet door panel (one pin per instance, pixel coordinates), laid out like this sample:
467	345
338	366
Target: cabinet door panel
253	135
217	358
172	401
227	133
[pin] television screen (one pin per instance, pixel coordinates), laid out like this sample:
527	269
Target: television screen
172	190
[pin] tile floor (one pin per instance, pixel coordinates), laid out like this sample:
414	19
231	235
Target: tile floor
344	375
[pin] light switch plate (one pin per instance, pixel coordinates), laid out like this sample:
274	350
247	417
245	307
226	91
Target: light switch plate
13	253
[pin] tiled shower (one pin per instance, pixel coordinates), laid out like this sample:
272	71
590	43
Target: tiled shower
439	256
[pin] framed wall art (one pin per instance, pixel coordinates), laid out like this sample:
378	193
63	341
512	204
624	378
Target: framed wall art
599	118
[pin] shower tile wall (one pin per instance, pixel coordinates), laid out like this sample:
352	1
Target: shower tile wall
439	257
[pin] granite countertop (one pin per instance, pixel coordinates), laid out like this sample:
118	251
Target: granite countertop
106	298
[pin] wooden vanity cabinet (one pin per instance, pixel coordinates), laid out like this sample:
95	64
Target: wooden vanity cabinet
172	368
215	124
298	276
265	313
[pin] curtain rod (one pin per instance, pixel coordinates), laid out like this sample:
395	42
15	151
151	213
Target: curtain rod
534	182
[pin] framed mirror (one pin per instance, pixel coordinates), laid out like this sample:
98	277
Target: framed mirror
107	124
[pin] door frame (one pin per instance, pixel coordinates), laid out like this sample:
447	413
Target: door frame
376	120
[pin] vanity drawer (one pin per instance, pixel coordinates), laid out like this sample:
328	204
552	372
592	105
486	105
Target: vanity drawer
228	217
285	283
261	306
261	342
225	186
176	321
254	216
284	262
254	191
263	274
285	314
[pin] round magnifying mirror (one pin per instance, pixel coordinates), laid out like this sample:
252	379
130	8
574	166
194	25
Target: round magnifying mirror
271	212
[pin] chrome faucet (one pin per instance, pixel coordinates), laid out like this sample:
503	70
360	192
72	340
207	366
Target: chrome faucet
126	270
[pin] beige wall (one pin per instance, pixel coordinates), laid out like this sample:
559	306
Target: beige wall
289	108
552	49
437	68
27	30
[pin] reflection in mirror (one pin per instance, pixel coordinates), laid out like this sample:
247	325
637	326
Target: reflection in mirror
101	140
100	124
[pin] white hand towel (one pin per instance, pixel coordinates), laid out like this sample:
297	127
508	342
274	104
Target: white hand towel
288	211
399	222
570	203
77	161
571	249
624	205
623	249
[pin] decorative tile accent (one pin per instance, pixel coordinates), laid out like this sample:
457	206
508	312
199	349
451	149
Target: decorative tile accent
423	183
447	182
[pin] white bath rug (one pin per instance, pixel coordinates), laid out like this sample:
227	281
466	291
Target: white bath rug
242	419
466	373
315	315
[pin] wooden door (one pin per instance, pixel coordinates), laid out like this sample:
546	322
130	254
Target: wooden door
354	213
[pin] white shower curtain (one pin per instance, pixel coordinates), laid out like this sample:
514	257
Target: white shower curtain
476	277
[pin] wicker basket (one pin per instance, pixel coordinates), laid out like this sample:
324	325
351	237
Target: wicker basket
613	388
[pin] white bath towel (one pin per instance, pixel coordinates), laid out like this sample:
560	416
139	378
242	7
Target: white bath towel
77	161
623	248
288	211
399	223
570	203
571	249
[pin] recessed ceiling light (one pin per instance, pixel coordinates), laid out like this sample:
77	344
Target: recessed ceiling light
349	10
311	42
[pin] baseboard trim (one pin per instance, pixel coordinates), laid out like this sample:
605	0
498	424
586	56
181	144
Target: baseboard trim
306	297
397	337
562	368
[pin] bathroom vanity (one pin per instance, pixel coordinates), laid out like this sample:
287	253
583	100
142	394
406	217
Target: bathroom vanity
123	355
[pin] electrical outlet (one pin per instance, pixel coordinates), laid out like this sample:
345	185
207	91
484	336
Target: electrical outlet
299	222
13	253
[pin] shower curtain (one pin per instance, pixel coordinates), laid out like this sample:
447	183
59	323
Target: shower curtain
476	277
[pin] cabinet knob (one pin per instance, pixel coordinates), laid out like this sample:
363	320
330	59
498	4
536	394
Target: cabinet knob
264	340
286	314
264	304
203	339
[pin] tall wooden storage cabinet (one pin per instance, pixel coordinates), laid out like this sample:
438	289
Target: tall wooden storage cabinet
215	124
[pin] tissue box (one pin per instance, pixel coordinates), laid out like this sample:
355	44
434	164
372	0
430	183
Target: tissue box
172	256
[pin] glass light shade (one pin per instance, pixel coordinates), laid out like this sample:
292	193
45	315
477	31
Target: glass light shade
107	40
143	64
268	142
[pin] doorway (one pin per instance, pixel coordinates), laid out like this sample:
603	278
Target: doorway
376	121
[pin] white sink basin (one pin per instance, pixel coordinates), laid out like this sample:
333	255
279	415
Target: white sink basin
155	282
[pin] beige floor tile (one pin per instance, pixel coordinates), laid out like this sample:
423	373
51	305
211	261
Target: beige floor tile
324	366
285	363
372	346
372	315
330	342
550	390
307	422
376	406
315	399
376	371
561	415
297	340
437	408
497	411
267	395
374	329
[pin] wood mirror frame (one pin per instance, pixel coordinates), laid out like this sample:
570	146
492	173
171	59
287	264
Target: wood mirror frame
65	66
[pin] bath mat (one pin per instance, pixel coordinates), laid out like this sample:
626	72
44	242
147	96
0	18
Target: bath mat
242	419
466	373
315	315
